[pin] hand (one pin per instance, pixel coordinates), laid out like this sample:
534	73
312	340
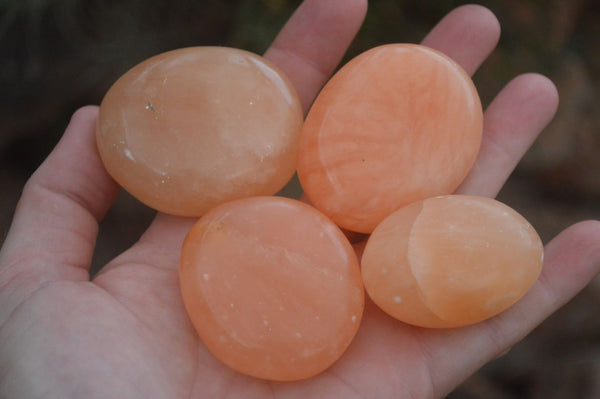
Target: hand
125	333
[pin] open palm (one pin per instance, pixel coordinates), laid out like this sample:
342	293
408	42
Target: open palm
125	334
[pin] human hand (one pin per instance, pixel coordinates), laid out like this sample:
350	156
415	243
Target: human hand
125	332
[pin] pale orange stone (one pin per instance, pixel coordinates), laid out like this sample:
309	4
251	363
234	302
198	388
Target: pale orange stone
451	261
191	128
397	124
272	287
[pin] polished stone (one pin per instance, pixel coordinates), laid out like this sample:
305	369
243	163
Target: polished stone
272	287
451	261
397	124
191	128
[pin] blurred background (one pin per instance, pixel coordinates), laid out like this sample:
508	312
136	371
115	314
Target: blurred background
59	55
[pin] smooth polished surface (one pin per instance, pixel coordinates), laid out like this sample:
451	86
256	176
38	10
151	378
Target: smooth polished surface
191	128
397	124
451	261
272	287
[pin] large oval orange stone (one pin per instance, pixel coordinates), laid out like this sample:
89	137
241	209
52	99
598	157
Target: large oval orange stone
191	128
272	287
451	261
397	124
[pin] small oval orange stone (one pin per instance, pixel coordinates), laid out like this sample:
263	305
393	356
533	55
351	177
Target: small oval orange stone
451	261
272	287
397	124
191	128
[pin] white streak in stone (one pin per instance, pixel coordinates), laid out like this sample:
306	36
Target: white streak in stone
275	79
238	59
331	177
129	155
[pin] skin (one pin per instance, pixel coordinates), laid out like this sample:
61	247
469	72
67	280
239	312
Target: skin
125	333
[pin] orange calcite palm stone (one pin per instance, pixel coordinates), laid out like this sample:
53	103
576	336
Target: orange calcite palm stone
397	124
272	287
189	129
451	261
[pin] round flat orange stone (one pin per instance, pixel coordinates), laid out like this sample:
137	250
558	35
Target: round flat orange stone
272	287
397	124
191	128
451	261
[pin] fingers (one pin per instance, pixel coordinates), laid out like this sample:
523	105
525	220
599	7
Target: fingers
572	260
511	123
468	34
54	228
516	116
314	40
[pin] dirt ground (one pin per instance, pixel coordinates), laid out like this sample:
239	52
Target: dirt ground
59	55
